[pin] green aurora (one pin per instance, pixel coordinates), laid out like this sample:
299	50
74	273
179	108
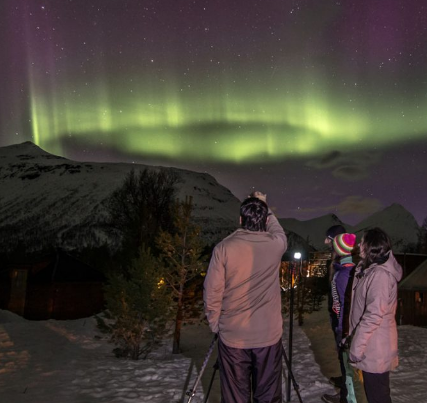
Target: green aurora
321	104
223	127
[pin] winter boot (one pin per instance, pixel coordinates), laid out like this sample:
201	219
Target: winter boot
333	398
336	381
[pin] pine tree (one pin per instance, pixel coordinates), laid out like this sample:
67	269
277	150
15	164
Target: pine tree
182	256
137	302
140	207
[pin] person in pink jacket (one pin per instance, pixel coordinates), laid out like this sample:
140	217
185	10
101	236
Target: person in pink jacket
243	305
373	329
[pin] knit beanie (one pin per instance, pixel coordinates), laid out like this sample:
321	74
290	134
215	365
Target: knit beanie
343	244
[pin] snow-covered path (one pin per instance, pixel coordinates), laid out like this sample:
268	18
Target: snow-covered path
409	381
71	362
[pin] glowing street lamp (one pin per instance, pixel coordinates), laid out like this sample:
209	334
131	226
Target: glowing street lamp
297	256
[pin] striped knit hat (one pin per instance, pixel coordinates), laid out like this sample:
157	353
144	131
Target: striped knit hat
344	243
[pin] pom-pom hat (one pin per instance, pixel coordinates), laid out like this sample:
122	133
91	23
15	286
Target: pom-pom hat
343	244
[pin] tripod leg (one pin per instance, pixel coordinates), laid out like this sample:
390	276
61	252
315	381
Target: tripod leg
294	383
215	367
192	391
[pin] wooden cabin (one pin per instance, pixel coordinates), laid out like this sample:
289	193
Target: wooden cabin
412	302
55	286
409	261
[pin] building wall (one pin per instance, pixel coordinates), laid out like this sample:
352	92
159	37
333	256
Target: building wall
18	289
4	296
412	308
63	301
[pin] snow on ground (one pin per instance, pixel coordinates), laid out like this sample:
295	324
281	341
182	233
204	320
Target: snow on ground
71	362
409	381
62	361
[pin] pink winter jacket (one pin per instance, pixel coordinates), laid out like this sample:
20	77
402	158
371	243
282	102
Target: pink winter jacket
372	317
242	290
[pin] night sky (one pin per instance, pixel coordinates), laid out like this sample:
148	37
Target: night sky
320	104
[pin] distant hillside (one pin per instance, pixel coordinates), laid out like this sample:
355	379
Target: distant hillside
312	231
399	224
49	200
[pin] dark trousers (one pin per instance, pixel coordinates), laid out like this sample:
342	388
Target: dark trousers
377	387
254	371
343	389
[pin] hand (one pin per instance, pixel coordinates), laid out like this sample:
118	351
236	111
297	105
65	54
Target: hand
353	359
259	195
345	343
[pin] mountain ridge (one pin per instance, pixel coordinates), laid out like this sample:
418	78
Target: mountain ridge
56	199
60	201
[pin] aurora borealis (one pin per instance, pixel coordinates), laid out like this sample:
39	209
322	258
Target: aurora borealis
320	104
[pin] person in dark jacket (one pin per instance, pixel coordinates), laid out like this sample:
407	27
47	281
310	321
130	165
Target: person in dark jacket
330	234
343	266
243	305
373	329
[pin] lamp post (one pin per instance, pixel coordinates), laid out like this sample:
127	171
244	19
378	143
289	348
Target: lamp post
297	256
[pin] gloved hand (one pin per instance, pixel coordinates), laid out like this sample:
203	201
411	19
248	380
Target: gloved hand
345	343
259	195
353	359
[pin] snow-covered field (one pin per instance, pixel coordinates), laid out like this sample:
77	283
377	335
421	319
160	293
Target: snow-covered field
71	362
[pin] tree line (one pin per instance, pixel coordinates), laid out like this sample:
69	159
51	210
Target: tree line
161	254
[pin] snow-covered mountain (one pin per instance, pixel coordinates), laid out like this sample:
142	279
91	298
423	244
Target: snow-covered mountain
397	222
312	232
49	200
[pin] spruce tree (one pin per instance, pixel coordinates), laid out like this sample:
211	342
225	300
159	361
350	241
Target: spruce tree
140	207
137	302
182	256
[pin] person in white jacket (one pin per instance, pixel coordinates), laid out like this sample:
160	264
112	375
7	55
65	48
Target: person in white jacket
243	305
373	329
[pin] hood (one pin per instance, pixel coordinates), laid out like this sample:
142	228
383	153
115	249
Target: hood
393	267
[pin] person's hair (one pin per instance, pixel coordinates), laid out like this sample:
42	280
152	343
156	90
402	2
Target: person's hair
253	213
335	230
376	244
